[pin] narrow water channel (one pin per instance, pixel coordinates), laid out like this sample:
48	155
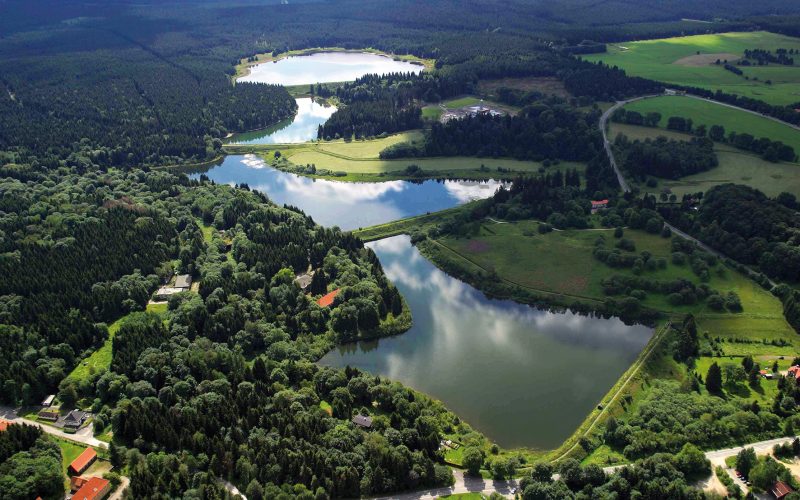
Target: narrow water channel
300	128
349	205
522	376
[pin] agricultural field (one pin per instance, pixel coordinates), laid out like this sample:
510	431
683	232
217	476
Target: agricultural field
562	262
708	113
360	159
690	61
735	166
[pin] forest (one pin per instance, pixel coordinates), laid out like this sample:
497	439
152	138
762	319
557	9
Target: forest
30	464
665	158
747	226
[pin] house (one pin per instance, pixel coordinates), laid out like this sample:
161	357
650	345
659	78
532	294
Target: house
4	424
304	280
766	374
362	421
83	461
598	204
76	483
48	401
75	419
327	300
95	488
794	371
48	414
780	489
183	281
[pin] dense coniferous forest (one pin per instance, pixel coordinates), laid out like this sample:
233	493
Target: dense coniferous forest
665	158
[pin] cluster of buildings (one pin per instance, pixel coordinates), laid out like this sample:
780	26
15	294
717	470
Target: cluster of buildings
87	488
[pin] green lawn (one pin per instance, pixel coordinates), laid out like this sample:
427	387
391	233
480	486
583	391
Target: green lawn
360	159
764	392
708	114
432	112
100	360
734	166
462	102
562	262
665	60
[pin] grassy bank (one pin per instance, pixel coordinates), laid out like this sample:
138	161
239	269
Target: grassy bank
360	161
690	61
735	166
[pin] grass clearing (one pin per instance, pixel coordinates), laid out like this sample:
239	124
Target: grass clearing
361	162
735	166
666	60
100	360
462	102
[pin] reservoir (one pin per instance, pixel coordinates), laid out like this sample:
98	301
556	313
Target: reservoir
349	205
326	67
522	376
302	128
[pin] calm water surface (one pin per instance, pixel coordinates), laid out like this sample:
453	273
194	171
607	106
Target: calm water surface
326	67
349	205
302	128
524	377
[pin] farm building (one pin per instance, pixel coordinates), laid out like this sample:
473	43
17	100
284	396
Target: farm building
304	280
94	488
183	281
75	419
83	461
599	204
327	300
794	371
48	401
362	421
49	414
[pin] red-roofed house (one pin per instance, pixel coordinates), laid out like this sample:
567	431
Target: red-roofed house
794	371
83	461
780	490
598	204
94	489
4	424
327	300
76	483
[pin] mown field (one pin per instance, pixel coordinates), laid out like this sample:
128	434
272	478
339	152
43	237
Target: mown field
562	262
690	61
708	114
360	159
734	166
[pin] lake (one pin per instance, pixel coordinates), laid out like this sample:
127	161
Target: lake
302	128
325	67
522	376
349	205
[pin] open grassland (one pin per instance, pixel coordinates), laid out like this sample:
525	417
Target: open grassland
361	162
100	360
690	61
735	166
562	262
708	113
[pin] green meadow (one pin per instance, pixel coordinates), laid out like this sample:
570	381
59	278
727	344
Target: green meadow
690	61
735	166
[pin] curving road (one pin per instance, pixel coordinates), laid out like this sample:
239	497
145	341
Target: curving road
626	187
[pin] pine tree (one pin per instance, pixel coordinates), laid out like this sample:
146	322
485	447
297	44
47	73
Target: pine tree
714	379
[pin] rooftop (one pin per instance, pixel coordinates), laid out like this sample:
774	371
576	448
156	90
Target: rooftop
4	424
84	459
94	488
183	281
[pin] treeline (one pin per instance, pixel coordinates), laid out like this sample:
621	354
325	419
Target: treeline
540	131
30	464
763	57
651	119
747	226
362	119
665	158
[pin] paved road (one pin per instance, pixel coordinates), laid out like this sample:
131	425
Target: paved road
83	436
463	484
